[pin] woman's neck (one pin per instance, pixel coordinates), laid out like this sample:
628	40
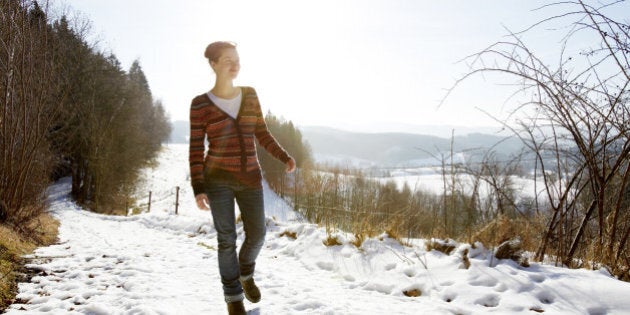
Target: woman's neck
224	89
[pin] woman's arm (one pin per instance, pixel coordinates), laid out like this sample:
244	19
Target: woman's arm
196	148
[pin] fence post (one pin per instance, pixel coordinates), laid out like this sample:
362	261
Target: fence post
296	182
149	207
176	198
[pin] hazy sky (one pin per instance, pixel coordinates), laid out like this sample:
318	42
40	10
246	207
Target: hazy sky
322	62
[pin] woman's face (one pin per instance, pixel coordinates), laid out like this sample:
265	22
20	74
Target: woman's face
228	64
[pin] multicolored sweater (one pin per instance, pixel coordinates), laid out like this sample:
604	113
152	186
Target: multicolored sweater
231	150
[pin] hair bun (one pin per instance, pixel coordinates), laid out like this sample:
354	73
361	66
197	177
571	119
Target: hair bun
213	51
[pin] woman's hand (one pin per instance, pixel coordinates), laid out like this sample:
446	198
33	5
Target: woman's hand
291	165
203	203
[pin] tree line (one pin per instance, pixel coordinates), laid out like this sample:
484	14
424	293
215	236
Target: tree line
68	109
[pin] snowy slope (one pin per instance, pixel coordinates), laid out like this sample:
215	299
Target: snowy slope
162	263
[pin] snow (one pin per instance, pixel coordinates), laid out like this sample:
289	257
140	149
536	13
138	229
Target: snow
163	263
430	179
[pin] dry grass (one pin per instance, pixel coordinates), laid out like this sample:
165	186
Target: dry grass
412	293
445	247
393	233
358	239
512	249
465	259
14	244
362	230
331	240
289	234
503	229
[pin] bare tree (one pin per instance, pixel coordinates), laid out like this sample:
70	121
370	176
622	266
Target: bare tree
577	127
28	109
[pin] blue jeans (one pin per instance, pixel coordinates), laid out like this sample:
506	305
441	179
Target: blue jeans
250	201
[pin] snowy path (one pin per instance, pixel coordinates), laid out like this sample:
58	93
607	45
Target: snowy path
151	265
162	263
116	265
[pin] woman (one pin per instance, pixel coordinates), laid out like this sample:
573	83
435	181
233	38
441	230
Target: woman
229	118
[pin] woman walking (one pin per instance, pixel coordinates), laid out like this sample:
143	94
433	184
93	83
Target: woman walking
230	119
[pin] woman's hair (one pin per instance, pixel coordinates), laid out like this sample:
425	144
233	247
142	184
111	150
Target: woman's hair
214	50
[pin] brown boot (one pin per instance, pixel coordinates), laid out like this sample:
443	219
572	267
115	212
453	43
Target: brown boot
252	293
236	308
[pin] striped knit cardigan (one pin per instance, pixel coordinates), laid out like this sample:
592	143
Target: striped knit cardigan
231	151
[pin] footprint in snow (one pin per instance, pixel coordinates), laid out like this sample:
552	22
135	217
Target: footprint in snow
538	278
410	272
449	296
483	281
597	311
490	300
545	297
501	287
379	287
390	266
329	266
255	311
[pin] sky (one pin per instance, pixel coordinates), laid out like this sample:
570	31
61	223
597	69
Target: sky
376	65
162	263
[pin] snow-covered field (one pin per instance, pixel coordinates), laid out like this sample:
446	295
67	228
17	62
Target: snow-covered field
430	179
162	263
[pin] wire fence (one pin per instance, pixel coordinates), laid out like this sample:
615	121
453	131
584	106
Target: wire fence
149	202
351	203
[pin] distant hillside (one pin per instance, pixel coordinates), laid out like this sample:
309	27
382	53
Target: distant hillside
396	149
386	149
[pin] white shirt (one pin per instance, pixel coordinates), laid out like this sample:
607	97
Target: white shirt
229	106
